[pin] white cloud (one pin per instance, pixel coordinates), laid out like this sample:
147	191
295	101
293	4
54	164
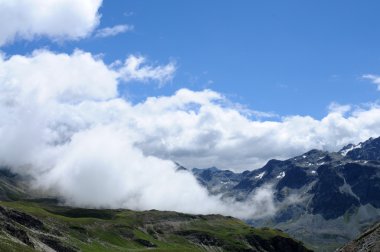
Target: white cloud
134	69
62	77
374	78
79	143
200	131
88	174
338	108
63	123
55	19
113	31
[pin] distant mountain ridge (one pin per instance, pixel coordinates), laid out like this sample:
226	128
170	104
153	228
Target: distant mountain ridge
337	192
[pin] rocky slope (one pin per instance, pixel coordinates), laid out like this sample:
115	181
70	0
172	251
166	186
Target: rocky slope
369	241
322	198
12	186
32	226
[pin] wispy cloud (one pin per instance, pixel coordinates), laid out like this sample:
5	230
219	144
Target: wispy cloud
128	13
374	78
135	69
113	31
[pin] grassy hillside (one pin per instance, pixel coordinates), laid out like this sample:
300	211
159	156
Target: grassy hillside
40	226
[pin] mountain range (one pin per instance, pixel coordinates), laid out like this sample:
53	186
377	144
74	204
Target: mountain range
323	198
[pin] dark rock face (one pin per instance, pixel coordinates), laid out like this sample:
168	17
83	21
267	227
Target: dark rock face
22	218
287	244
294	178
145	243
249	180
23	226
216	180
328	200
56	244
246	184
369	150
207	175
276	244
333	204
18	233
365	182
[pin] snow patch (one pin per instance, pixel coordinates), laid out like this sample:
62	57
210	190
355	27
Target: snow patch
260	176
281	175
344	152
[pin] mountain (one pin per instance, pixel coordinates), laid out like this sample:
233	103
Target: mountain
367	241
29	223
323	198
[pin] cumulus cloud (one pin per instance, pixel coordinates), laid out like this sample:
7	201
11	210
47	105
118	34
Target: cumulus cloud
58	76
135	69
55	19
113	31
63	123
198	129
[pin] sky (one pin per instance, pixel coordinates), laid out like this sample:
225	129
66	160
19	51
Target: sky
100	99
286	58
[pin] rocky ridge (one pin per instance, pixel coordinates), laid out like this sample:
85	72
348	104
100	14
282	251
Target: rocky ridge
368	241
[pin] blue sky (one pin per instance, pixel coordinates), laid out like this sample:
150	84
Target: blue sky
286	57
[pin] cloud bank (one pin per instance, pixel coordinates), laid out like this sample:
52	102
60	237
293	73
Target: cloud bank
63	122
55	19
